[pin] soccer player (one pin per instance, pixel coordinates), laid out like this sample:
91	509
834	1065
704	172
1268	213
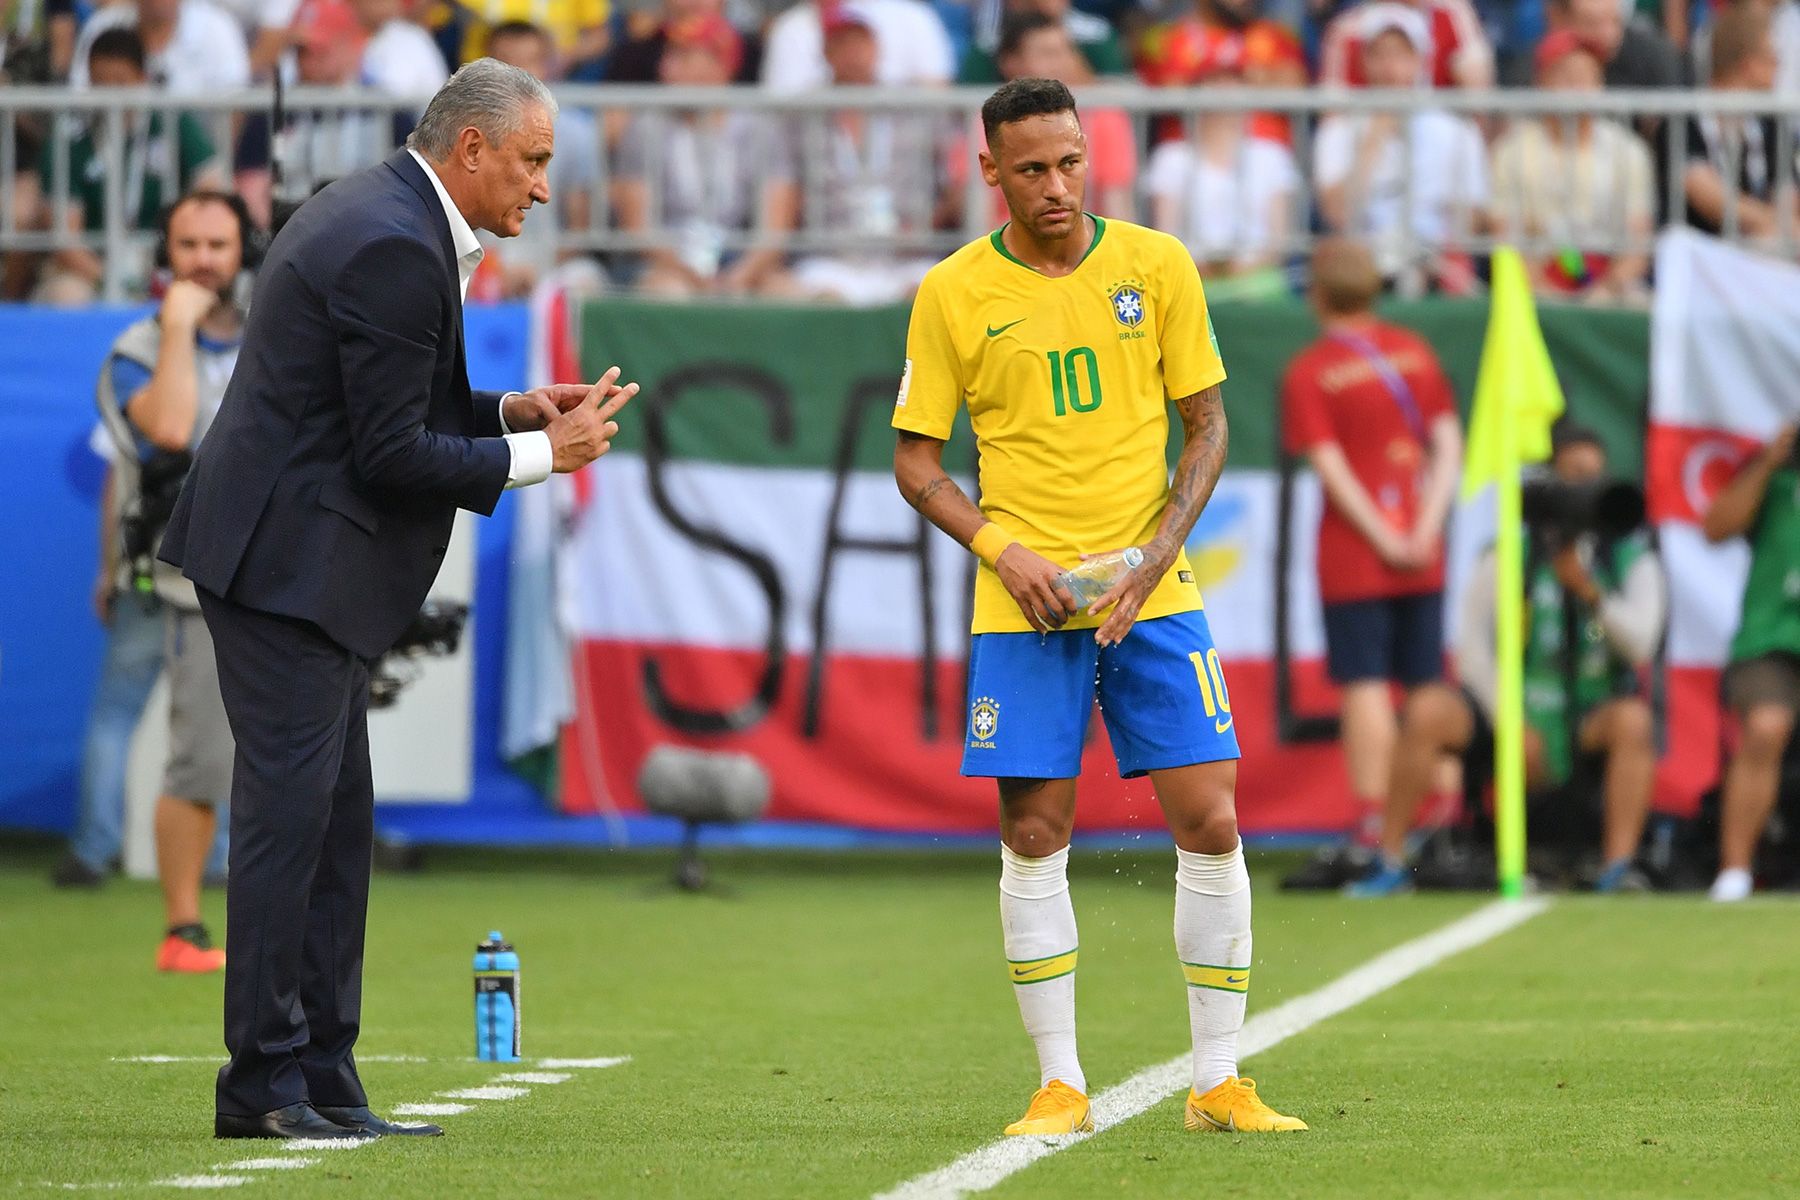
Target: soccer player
1066	336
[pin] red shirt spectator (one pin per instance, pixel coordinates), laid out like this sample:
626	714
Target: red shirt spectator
1225	36
1339	391
1461	55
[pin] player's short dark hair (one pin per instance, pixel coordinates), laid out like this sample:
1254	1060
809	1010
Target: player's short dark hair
1024	98
120	44
1017	27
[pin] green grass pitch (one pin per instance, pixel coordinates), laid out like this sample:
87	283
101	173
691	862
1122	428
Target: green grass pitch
839	1024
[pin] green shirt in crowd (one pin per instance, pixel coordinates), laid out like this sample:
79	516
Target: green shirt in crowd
1771	615
148	152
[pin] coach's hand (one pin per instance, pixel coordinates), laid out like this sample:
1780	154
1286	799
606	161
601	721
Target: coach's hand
540	406
585	431
1031	580
1127	596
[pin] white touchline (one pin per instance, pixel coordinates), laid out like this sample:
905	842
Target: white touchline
486	1093
429	1110
267	1164
301	1145
203	1181
596	1064
982	1169
534	1077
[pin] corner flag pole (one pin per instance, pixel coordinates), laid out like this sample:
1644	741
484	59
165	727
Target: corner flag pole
1517	397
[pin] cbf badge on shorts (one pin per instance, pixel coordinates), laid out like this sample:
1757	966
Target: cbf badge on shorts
984	723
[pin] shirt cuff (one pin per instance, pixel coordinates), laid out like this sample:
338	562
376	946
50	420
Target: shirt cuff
504	427
532	458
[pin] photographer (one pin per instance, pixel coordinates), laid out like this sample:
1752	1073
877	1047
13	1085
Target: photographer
159	391
1762	682
1596	606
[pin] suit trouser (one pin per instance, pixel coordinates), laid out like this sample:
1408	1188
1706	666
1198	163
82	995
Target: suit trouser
302	836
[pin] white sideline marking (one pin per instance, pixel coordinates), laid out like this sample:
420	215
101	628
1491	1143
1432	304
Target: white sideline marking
203	1181
429	1110
300	1145
982	1169
533	1077
267	1164
486	1093
594	1064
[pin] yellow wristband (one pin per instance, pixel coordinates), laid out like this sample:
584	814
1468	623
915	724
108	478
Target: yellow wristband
990	542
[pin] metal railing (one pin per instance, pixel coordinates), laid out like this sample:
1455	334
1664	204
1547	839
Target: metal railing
117	119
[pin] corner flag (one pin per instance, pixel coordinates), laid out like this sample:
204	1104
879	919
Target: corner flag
1517	398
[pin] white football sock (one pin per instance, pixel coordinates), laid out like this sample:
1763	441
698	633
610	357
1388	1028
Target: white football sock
1038	922
1212	936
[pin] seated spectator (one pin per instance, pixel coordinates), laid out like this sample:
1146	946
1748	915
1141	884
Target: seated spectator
399	57
533	256
1225	34
1585	710
324	144
1036	46
1633	52
577	28
1454	46
1784	27
635	58
153	157
913	46
190	46
873	176
1411	186
1576	192
718	175
1737	164
269	27
1094	39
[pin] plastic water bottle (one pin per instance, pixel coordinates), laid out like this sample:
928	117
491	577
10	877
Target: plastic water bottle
497	1022
1096	576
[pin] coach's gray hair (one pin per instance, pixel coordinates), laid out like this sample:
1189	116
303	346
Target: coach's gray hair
488	94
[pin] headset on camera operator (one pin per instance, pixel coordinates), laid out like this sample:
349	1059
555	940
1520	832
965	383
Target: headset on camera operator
1596	608
1762	682
160	389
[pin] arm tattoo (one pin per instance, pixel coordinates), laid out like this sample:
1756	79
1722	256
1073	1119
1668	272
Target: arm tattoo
1207	439
933	488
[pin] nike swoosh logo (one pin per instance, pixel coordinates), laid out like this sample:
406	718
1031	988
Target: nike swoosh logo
1020	974
992	332
1237	979
1222	726
1228	1125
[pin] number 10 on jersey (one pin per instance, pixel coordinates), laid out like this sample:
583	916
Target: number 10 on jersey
1065	380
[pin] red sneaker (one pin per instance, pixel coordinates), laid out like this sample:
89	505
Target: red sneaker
189	952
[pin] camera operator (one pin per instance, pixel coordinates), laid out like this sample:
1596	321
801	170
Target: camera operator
1762	682
1596	606
159	391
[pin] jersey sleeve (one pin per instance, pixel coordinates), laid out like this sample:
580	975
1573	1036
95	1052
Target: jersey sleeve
931	384
1190	351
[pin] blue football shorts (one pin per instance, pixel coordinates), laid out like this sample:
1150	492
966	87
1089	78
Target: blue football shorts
1162	694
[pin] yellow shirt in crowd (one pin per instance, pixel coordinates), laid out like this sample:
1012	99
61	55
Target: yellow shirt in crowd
563	19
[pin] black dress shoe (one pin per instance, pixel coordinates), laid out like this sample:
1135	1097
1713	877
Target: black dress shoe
294	1121
367	1124
71	872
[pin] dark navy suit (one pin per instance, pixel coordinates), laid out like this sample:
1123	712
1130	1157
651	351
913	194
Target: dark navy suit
313	523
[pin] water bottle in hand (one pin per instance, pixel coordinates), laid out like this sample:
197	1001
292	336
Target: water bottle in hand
1096	576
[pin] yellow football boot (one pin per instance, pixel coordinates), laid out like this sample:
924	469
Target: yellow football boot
1234	1107
1055	1108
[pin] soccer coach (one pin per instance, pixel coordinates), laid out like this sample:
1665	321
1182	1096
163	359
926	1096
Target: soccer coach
313	524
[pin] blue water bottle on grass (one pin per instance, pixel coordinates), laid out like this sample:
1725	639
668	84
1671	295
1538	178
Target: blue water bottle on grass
496	1000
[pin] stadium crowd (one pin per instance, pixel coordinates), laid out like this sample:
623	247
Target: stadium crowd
711	202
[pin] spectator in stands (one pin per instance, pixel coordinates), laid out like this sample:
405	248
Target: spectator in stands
1453	47
1740	175
913	47
160	388
874	176
577	28
1576	192
1411	184
1635	54
399	57
1036	46
1223	35
152	154
1762	682
1095	41
1587	718
325	144
190	46
636	57
1784	28
62	27
1369	407
719	175
1227	194
268	26
533	256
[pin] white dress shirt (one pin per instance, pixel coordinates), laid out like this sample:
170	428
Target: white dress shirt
532	457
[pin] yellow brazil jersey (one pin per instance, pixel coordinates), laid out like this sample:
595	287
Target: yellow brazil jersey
562	19
1067	382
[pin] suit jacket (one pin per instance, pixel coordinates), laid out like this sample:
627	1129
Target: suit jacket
327	486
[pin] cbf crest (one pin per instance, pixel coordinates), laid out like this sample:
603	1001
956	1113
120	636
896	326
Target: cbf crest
984	722
1128	303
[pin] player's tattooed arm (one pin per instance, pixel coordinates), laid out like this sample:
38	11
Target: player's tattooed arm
919	471
1206	440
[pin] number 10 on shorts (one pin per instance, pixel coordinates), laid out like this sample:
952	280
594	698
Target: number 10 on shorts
1212	682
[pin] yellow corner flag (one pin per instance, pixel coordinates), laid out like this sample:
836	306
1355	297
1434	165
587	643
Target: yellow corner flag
1517	399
